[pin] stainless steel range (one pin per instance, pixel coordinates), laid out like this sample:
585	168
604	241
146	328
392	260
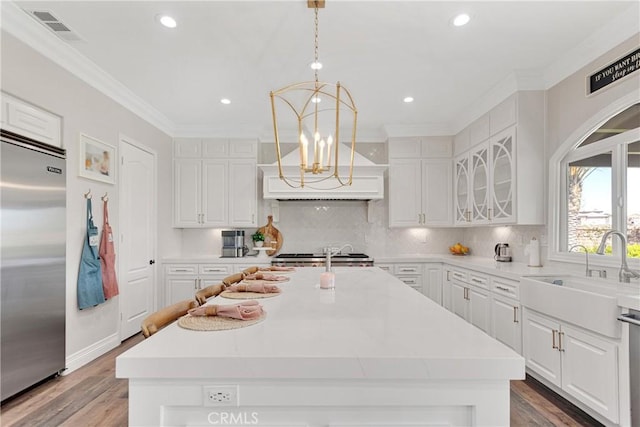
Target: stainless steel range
318	260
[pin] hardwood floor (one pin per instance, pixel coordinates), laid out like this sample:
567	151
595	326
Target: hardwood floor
92	396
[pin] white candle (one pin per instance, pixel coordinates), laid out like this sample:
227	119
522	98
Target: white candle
329	142
316	140
321	144
327	280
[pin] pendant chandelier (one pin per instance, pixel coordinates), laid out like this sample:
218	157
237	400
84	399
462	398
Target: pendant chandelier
322	113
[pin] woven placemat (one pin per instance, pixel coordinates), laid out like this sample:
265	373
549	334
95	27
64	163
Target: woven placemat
247	295
215	323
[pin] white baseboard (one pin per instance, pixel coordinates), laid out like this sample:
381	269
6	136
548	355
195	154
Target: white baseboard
87	354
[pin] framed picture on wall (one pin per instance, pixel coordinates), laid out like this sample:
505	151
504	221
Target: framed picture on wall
97	160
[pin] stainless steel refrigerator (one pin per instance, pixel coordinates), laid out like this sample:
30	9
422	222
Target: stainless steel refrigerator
32	264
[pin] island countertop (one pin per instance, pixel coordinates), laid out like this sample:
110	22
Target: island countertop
371	327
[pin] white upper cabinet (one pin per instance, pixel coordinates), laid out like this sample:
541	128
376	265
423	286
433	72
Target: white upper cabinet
420	182
214	183
500	180
28	120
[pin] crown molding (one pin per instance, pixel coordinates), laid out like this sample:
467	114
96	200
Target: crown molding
18	23
424	129
615	32
612	34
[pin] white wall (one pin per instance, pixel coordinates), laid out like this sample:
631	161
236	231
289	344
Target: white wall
28	75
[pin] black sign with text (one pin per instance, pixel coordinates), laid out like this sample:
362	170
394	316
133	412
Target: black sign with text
615	71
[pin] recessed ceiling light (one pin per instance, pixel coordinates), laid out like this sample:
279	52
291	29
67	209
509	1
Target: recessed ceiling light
225	101
167	21
408	99
316	65
460	20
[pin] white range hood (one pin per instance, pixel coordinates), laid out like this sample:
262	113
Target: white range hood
367	184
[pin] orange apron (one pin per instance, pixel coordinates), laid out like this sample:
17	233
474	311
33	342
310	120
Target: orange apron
108	258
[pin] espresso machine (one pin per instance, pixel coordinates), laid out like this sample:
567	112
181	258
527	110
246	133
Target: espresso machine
233	244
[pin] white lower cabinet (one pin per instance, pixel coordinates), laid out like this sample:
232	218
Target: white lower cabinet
505	322
409	274
580	363
472	302
182	281
432	281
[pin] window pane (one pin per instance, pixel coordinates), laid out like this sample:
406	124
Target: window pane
628	119
589	201
633	200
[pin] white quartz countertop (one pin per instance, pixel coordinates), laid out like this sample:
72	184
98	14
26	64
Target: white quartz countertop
628	295
217	259
371	326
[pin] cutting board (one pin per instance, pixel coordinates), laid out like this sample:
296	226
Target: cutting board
271	235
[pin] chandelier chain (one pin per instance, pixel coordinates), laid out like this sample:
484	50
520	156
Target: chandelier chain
316	42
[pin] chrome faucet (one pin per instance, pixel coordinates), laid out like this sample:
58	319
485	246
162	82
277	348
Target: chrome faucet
586	256
625	274
328	254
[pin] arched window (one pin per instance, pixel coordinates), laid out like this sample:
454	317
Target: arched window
599	187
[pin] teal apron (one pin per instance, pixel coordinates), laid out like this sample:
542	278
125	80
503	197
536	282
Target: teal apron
90	291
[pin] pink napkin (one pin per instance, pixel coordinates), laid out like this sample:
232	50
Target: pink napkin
266	276
260	287
246	310
276	268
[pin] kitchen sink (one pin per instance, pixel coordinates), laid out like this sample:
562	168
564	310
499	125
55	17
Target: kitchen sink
581	301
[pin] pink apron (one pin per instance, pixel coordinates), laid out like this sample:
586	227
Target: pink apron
108	258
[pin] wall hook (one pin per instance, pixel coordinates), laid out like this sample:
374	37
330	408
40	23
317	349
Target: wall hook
105	198
87	195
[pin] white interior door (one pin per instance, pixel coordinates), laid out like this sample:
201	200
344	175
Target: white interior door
137	235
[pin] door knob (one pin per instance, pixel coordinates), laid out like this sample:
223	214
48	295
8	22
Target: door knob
152	261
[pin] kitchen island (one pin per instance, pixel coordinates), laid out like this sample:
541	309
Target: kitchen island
371	352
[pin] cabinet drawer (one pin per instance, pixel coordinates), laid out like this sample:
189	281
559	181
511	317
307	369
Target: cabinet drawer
479	280
181	269
413	281
459	275
386	267
214	269
506	287
408	269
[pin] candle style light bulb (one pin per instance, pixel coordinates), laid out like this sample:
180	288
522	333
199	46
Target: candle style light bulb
329	142
321	145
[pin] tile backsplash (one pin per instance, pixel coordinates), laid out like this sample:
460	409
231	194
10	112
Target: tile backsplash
308	226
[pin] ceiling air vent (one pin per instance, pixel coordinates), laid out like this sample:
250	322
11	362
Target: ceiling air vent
47	19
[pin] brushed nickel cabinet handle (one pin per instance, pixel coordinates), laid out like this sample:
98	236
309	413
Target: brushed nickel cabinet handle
560	335
515	314
195	284
553	332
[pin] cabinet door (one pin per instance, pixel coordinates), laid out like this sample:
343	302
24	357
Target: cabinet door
187	189
503	177
505	314
215	201
432	286
461	211
479	308
480	185
181	288
405	193
540	346
187	148
436	192
458	300
590	370
25	119
242	193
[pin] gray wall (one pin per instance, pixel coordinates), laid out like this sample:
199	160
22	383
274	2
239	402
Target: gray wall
28	75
